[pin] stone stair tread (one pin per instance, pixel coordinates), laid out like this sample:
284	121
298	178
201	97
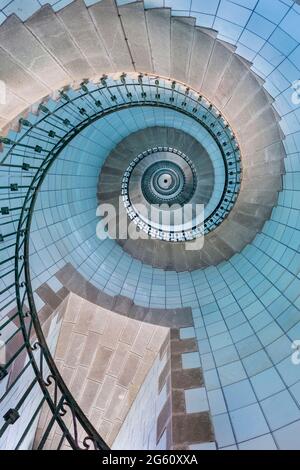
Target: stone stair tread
202	48
258	210
210	31
20	82
255	107
80	26
244	92
50	31
182	35
159	32
231	77
219	61
134	23
236	235
107	22
23	46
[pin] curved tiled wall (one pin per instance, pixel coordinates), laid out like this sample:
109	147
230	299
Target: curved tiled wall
247	310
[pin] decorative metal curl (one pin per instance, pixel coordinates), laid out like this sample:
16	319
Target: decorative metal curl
63	412
36	346
50	380
88	446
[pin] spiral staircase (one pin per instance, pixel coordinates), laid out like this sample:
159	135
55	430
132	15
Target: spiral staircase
89	88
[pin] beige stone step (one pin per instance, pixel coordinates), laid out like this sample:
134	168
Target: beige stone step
133	19
236	235
255	210
244	92
231	78
28	52
264	139
202	48
276	167
275	151
264	181
219	62
250	222
107	22
216	249
259	103
51	32
159	32
81	28
13	106
263	121
21	83
264	198
182	37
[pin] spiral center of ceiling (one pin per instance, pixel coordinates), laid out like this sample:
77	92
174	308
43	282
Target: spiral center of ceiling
163	182
163	175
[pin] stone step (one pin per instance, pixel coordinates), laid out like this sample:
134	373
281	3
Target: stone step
264	182
265	198
255	210
271	184
159	32
247	62
51	32
257	105
276	151
13	106
259	79
116	160
83	32
264	139
133	19
246	89
255	109
201	51
215	250
236	235
182	37
231	78
28	52
110	171
110	183
220	247
219	62
105	16
111	196
276	168
263	119
209	31
21	83
251	222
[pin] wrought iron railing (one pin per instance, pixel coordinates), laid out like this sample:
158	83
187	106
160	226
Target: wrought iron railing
25	161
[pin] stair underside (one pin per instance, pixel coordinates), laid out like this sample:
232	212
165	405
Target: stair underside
54	50
252	209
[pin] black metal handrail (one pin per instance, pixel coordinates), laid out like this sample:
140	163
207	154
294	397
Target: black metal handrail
27	161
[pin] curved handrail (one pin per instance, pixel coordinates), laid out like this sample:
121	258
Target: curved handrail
38	143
